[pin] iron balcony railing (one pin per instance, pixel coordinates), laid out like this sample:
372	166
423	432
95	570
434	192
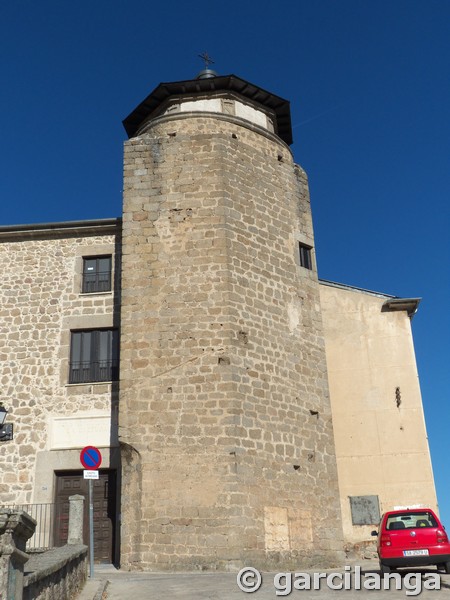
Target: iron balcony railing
94	371
97	282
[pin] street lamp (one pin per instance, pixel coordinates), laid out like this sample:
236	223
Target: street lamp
6	431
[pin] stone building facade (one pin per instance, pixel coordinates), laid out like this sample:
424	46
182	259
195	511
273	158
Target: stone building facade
42	303
217	432
221	326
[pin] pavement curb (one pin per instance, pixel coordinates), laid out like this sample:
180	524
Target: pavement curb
101	590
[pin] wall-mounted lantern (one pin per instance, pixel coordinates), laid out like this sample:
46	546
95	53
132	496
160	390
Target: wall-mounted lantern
6	431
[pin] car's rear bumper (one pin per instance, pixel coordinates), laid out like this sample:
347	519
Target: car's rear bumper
415	561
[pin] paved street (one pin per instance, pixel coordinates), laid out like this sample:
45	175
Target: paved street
223	586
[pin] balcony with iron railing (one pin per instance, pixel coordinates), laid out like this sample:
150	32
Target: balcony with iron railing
96	282
93	371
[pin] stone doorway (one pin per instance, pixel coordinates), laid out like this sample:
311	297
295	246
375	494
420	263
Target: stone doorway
69	483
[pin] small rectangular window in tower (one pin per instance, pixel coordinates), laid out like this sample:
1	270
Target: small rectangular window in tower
94	356
96	274
305	256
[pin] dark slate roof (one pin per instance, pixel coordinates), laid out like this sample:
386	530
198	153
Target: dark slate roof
231	83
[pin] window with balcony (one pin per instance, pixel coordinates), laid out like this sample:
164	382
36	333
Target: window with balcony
96	274
94	356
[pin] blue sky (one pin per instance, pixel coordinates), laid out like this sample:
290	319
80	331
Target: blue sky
370	96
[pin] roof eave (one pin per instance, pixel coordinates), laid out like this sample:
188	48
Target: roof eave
280	106
410	305
61	228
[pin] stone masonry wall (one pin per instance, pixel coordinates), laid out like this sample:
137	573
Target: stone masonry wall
225	419
58	574
40	301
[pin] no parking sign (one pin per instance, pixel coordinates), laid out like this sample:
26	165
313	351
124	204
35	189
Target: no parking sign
91	458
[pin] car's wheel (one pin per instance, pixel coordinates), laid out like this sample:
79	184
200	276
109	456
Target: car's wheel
447	567
440	566
384	568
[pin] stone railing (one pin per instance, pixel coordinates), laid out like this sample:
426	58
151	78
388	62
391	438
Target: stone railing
58	574
16	527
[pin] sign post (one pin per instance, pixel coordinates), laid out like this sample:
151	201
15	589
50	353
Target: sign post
91	459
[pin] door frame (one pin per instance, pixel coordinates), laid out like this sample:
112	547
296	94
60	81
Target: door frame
112	506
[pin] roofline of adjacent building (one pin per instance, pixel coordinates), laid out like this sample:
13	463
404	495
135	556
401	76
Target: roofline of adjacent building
86	227
354	288
392	303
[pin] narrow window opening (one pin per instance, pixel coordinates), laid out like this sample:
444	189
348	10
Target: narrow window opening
305	256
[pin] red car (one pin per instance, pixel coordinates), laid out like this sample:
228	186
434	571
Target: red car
412	538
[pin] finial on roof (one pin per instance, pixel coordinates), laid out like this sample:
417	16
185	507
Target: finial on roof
206	73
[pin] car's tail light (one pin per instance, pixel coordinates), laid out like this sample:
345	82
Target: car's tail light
385	539
441	537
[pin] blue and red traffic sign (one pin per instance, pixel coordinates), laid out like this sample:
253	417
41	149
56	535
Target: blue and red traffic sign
91	458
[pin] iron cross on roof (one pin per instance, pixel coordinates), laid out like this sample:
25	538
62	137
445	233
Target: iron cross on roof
208	60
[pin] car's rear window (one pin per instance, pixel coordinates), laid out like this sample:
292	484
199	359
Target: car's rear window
410	520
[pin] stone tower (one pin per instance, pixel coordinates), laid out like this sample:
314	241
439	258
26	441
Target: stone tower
227	444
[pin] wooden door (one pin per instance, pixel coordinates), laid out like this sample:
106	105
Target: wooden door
104	495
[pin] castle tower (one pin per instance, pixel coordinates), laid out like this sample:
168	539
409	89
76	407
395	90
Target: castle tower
227	445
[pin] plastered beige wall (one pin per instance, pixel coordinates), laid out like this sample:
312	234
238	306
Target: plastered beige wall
380	434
